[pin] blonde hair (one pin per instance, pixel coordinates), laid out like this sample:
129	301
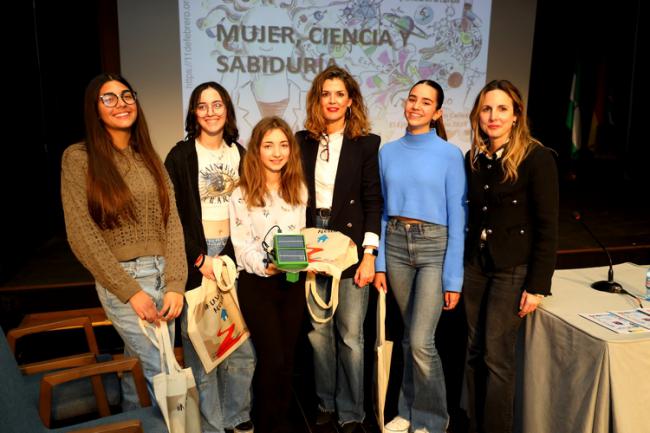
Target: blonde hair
253	180
356	118
520	143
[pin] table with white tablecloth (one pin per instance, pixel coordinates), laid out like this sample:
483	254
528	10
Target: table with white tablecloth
579	376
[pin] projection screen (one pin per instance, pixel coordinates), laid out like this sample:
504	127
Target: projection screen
267	53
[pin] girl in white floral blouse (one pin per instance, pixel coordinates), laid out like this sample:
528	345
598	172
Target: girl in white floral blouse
271	196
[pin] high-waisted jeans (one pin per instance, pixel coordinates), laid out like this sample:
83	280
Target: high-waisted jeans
338	348
149	272
414	260
224	393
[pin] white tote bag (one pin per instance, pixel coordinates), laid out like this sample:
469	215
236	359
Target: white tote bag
215	324
174	387
383	352
329	252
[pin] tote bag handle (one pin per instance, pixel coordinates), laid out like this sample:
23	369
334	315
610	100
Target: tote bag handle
162	342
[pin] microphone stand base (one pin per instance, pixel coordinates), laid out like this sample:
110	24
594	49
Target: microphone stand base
607	286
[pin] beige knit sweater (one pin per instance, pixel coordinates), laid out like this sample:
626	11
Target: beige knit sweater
100	251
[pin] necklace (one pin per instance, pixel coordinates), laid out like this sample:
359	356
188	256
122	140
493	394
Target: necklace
215	154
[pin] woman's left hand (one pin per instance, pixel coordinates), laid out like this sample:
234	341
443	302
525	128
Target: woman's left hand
172	306
366	271
451	300
528	303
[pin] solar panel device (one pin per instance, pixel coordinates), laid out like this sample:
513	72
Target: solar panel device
290	254
289	251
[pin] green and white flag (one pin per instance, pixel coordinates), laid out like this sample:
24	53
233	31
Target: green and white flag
573	115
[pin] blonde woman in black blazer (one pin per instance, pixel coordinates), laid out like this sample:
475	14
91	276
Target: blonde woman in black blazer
341	170
510	247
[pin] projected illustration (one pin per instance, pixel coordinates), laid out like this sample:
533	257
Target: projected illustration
267	52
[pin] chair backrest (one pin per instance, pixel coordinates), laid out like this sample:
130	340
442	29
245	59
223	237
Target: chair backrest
17	414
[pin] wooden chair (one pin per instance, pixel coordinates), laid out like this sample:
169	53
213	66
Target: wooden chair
97	318
20	413
77	398
130	426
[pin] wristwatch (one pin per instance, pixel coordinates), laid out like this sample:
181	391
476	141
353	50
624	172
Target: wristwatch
372	251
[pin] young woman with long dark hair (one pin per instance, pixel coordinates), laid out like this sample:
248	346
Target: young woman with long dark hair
204	168
122	222
421	250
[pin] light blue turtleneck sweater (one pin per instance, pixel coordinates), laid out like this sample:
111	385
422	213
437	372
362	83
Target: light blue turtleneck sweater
423	177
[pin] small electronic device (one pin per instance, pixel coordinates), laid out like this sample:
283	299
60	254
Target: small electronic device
290	254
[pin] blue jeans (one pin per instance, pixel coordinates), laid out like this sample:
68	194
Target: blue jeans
414	260
148	271
224	393
338	349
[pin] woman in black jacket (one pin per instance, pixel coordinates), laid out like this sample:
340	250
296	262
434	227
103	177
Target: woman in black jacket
510	246
341	169
204	169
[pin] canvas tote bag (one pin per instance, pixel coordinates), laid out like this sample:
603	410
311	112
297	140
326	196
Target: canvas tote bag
329	252
215	324
174	387
383	352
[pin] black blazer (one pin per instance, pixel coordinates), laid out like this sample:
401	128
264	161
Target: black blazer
183	166
520	218
357	202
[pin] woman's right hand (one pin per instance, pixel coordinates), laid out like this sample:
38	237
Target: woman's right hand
144	307
206	269
271	269
380	282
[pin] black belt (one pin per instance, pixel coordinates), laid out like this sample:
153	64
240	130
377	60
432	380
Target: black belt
323	212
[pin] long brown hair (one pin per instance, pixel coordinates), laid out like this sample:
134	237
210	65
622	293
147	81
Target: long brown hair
356	122
520	143
253	180
109	198
192	127
438	124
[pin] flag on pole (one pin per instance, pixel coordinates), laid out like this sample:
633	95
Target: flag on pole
598	115
573	115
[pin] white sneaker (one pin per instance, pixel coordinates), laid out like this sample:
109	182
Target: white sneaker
421	430
398	425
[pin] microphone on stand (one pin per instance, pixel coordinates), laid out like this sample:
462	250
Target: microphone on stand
608	285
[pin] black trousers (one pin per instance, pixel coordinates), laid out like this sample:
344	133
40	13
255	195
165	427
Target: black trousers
491	298
273	310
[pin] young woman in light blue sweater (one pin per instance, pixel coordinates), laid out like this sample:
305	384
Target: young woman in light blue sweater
421	250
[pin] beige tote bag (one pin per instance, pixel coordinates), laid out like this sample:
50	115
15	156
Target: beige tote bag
384	352
215	324
328	252
174	387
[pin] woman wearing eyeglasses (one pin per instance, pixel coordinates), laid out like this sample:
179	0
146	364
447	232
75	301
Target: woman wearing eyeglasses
341	170
121	221
205	168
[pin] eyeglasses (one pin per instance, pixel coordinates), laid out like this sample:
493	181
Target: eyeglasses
324	154
203	109
110	99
